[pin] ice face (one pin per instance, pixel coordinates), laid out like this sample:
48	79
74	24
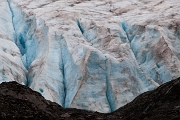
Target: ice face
11	67
96	58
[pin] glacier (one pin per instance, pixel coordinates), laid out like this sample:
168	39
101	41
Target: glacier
94	55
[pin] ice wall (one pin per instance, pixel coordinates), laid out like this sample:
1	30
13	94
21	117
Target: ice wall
11	67
86	54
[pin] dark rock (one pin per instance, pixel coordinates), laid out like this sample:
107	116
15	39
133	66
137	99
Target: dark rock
20	102
160	104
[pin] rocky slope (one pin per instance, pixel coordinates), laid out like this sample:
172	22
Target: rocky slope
162	103
94	55
20	102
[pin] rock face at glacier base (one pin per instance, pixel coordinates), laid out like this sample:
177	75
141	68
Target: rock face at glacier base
93	55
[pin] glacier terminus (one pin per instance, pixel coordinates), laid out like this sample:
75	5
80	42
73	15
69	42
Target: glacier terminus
95	55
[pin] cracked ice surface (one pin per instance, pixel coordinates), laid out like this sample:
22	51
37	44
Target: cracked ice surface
95	55
11	67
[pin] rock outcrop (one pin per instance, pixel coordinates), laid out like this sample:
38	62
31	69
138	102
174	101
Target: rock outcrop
20	102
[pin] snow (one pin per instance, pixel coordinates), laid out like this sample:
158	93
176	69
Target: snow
94	55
